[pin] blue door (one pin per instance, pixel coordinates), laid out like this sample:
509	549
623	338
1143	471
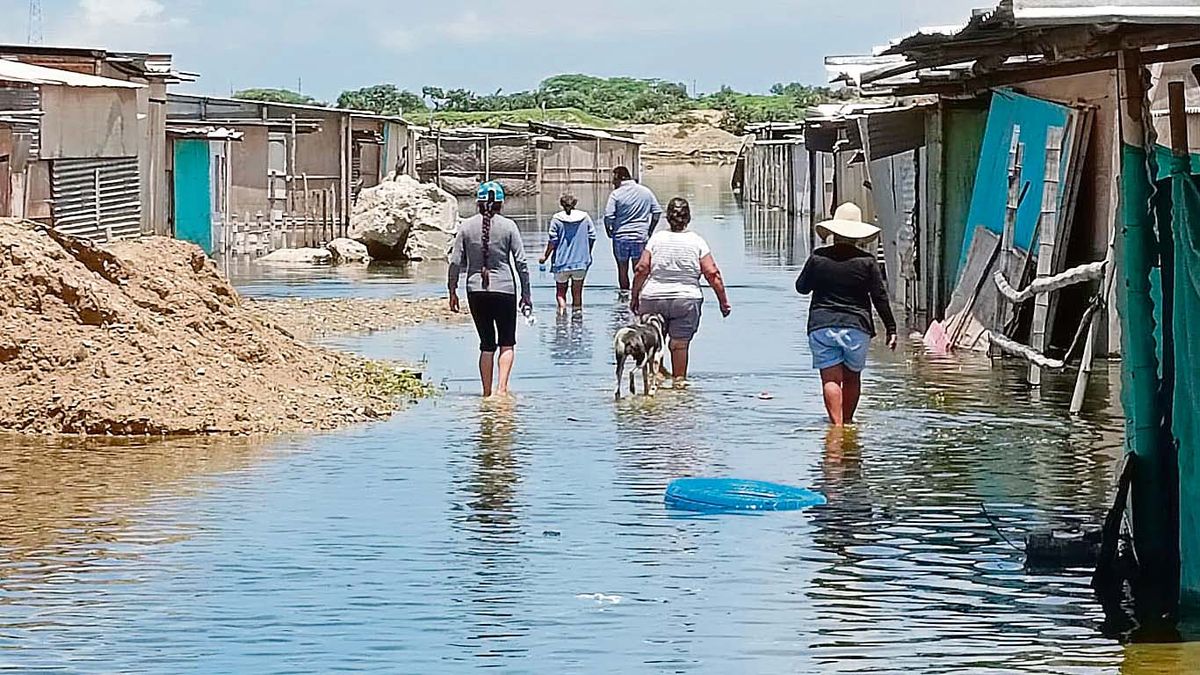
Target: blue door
193	193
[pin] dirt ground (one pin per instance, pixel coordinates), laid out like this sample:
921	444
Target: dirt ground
147	338
699	140
314	319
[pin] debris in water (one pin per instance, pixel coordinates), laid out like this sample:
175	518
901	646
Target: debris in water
601	598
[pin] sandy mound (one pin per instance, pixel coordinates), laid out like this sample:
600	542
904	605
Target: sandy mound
314	318
146	337
404	219
691	140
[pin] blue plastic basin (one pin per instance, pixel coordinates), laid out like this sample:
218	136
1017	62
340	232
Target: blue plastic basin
713	495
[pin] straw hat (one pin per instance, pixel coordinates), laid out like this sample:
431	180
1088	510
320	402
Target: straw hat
848	223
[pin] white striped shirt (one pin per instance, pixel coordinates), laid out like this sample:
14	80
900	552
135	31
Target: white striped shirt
675	265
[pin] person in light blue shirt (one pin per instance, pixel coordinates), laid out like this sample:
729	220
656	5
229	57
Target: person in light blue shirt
630	218
572	236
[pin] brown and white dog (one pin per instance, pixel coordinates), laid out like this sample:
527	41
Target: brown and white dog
644	342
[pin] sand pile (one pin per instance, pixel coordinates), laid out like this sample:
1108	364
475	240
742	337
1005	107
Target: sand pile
404	219
146	337
315	318
691	140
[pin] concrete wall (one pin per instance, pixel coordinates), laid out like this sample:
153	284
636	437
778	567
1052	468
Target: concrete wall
89	123
320	153
248	173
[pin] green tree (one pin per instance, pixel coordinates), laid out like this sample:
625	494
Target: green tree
277	96
382	99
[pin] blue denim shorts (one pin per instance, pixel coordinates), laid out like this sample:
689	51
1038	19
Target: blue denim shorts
628	249
839	347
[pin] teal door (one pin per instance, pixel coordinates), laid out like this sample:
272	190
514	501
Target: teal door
193	193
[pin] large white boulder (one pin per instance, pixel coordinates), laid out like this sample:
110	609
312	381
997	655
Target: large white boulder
404	219
348	251
298	256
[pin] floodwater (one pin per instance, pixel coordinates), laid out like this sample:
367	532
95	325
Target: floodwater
531	536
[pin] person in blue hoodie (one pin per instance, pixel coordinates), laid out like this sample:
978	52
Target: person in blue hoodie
572	236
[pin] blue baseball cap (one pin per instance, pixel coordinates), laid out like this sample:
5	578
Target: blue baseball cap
490	191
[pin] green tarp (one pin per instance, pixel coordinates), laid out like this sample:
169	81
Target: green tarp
1185	421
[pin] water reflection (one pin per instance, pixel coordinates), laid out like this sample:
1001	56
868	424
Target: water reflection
777	237
466	534
494	574
571	340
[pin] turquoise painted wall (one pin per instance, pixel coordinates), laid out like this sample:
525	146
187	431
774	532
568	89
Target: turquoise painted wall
962	139
990	197
193	193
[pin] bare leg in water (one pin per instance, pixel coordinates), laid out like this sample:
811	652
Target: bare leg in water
679	362
561	297
832	380
508	356
576	296
487	363
623	275
851	393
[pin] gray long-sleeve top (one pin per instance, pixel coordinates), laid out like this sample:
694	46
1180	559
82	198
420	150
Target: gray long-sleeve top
506	253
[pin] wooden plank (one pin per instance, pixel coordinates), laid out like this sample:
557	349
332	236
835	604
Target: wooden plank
1016	155
1080	135
1046	246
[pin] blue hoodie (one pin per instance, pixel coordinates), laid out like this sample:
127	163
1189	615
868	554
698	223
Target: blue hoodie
572	236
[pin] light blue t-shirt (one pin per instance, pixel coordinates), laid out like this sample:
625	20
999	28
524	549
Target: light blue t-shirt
572	236
631	209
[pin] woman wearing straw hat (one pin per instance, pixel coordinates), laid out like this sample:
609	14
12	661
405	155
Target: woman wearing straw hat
844	281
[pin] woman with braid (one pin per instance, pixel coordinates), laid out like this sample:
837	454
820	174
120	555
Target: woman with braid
488	248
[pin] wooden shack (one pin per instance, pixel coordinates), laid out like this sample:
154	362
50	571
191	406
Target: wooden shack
292	174
69	151
526	159
149	74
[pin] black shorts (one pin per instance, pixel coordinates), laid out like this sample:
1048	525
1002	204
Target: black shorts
495	316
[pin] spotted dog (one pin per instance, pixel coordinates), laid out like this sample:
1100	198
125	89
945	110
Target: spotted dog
644	342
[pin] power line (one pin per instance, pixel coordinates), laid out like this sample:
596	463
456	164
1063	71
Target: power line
35	22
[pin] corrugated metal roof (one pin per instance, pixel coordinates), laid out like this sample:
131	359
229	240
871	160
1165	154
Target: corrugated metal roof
206	132
14	71
1034	12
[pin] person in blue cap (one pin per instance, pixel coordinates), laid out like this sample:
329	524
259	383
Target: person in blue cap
488	248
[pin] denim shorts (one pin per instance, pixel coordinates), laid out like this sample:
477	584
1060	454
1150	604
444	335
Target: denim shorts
839	347
628	249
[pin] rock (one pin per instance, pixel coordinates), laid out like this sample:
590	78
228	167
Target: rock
403	219
298	256
347	251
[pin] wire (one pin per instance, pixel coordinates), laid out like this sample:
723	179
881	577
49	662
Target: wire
988	516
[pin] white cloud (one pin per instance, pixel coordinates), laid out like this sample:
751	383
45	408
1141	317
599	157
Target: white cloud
119	24
527	19
120	12
468	28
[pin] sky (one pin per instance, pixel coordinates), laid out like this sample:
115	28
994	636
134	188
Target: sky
325	47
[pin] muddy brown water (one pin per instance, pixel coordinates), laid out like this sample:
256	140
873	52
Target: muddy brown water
532	537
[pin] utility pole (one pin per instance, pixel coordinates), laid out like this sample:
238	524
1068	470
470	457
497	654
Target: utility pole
35	22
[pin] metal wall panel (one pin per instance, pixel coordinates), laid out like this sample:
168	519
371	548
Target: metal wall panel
98	199
23	106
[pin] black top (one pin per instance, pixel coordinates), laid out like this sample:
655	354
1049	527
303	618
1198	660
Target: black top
844	280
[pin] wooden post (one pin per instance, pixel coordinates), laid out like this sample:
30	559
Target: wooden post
1046	245
935	170
1179	126
1016	156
